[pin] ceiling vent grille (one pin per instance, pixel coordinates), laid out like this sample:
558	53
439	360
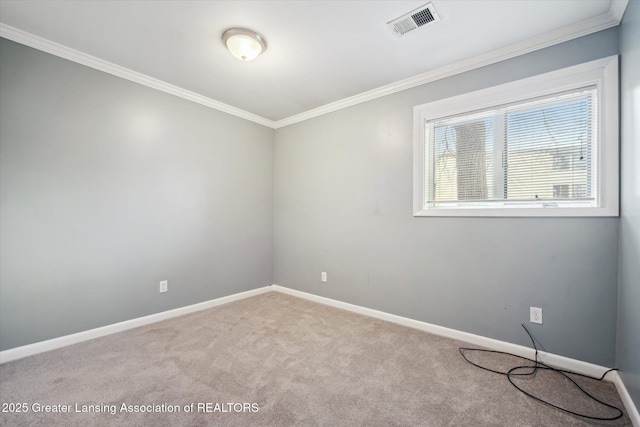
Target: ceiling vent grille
415	19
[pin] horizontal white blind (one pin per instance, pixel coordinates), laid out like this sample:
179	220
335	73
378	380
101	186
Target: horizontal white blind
548	150
463	165
532	151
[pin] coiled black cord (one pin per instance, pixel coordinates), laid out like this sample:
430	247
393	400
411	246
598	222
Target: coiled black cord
532	371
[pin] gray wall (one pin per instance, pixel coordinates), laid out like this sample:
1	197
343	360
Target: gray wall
628	344
108	187
343	204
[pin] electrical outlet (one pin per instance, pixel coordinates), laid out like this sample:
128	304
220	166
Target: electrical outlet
324	276
535	315
164	286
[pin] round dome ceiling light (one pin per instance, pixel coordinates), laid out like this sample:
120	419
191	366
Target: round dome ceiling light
244	44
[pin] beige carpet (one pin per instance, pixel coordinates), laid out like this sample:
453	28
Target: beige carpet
275	360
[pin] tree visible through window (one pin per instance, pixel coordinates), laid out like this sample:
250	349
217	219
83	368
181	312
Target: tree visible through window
518	152
546	145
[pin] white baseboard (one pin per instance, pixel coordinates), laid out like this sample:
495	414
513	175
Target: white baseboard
493	344
632	411
545	357
555	360
52	344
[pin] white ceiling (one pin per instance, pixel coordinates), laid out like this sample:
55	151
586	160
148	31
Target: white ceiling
319	52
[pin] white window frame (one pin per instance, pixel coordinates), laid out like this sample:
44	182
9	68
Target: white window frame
601	73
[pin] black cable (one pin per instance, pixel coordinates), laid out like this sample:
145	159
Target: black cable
543	366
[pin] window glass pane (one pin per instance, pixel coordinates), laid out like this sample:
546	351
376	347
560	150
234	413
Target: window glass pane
548	151
544	146
463	154
542	152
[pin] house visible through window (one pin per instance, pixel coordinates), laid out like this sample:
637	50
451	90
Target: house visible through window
561	191
537	149
515	153
560	161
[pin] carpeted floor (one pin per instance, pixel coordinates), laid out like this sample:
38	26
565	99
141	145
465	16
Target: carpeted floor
276	360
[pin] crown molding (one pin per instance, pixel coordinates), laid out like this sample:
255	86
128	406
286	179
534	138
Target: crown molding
616	11
598	23
583	28
65	52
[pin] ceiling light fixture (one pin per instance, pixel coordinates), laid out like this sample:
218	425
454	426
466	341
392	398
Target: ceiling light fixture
244	44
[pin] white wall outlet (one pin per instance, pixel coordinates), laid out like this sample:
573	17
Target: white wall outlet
324	276
164	286
535	315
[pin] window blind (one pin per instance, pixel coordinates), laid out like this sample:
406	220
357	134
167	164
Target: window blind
537	151
549	147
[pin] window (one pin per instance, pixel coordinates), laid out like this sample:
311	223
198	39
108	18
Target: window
518	152
543	146
560	161
560	191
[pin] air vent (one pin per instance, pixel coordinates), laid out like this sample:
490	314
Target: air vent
415	19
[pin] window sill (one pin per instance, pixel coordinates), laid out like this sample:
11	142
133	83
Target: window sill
539	211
